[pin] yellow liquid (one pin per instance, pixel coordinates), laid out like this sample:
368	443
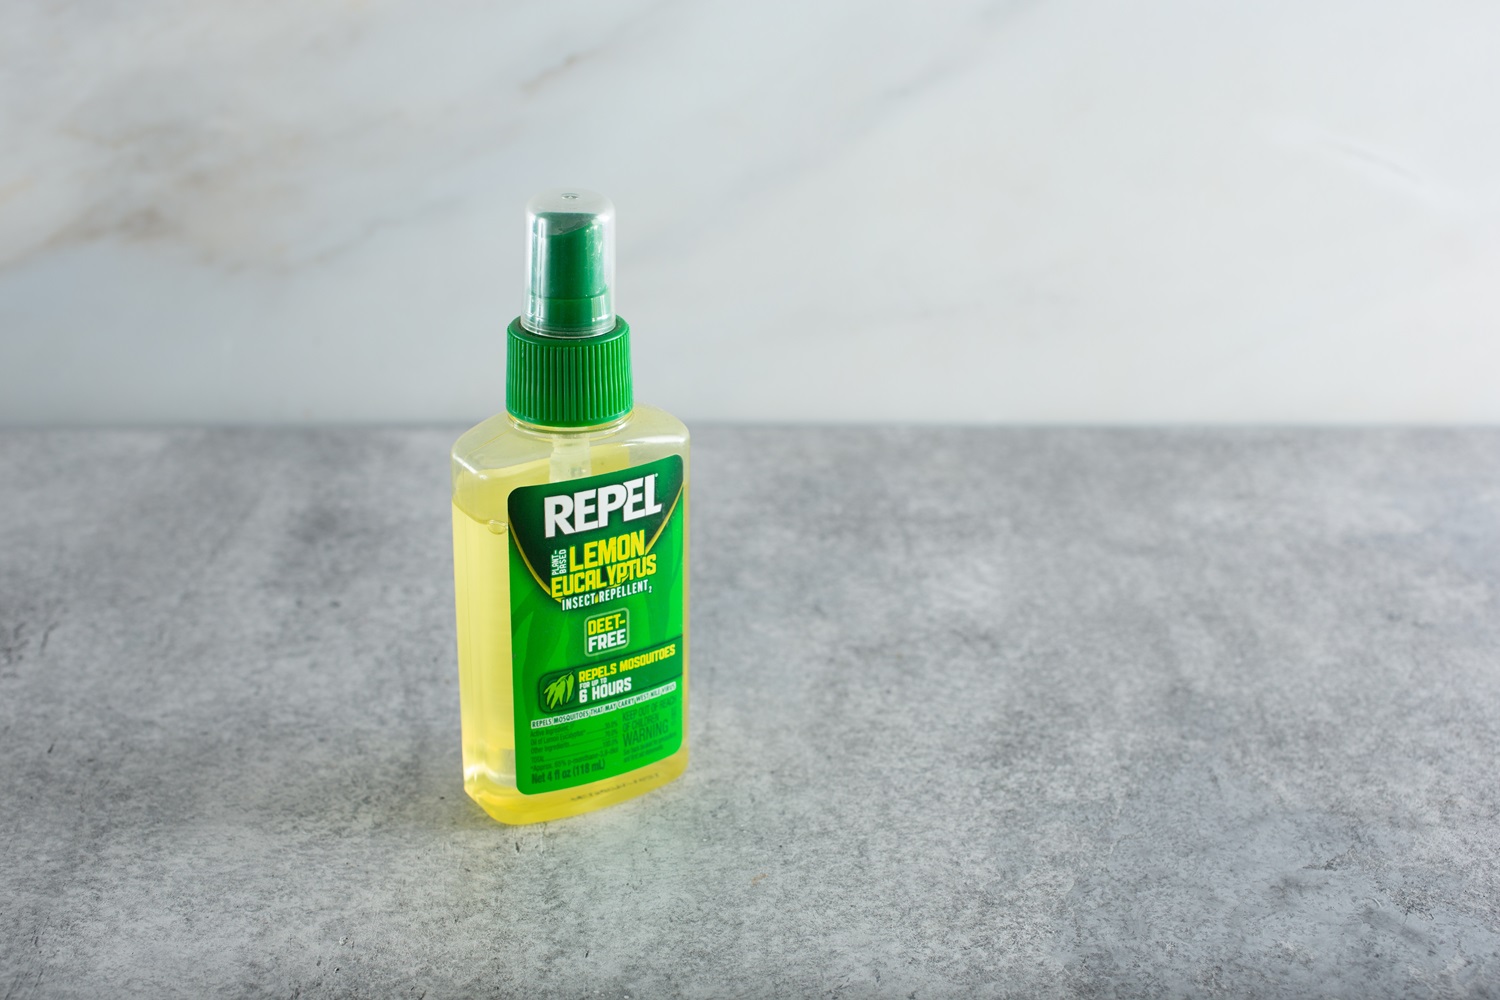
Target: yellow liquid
489	461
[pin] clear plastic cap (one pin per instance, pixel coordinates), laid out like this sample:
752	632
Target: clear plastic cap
570	261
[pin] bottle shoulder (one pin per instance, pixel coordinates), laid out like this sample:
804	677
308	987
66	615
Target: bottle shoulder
500	442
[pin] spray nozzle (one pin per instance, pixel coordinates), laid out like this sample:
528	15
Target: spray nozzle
570	263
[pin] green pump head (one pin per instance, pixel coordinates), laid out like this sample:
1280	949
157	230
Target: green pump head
567	358
570	263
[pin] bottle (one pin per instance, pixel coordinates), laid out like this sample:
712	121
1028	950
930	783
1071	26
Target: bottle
570	549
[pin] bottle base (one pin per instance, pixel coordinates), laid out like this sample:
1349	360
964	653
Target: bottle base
505	804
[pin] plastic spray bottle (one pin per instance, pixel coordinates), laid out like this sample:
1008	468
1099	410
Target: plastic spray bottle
570	549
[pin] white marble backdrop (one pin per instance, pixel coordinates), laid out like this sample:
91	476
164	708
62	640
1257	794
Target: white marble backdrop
310	210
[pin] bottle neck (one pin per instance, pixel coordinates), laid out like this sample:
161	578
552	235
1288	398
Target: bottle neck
546	430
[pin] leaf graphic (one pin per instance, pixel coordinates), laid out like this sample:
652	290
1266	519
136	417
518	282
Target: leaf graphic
559	691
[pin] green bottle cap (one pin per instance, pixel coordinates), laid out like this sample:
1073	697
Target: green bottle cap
568	356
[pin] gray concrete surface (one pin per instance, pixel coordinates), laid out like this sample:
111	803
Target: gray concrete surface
975	713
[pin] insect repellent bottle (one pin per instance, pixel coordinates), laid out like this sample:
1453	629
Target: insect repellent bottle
570	549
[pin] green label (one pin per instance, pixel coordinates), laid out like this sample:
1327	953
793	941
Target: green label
597	652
